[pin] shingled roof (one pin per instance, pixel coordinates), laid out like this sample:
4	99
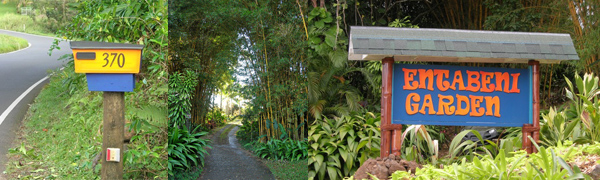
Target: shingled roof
451	45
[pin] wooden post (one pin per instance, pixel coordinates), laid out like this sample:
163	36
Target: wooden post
386	102
114	123
535	67
533	129
390	134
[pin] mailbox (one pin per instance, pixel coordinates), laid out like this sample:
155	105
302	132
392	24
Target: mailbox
108	66
101	57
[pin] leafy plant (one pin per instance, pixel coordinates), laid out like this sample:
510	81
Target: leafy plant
512	165
585	106
181	88
419	146
287	149
555	127
186	150
336	144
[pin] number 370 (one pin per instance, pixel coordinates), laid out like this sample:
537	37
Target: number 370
115	56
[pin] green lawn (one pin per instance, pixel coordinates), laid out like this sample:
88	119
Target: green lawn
10	43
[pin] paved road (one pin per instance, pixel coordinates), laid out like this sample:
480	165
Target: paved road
226	160
18	72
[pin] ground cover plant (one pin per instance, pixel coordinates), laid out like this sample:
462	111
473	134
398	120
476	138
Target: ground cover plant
10	43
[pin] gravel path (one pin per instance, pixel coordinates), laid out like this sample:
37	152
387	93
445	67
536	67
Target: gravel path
226	160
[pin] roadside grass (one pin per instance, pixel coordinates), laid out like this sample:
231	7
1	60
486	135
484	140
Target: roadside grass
56	144
7	7
291	170
10	20
11	43
62	134
16	22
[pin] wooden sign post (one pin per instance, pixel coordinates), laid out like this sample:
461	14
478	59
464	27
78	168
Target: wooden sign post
458	95
111	68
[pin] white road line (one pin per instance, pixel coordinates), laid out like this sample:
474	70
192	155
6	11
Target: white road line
18	100
14	103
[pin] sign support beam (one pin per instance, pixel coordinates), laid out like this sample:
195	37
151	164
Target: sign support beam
113	134
533	130
390	131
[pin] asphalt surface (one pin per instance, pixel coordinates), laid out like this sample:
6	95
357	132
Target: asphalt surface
226	160
20	70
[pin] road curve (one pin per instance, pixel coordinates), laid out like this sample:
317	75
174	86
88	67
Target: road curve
20	70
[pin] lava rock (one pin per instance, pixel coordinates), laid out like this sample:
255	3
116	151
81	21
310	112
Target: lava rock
383	168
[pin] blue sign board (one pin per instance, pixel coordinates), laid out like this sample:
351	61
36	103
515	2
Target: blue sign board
461	96
111	82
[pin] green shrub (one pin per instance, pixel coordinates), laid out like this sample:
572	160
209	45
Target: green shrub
339	146
215	118
248	132
186	150
287	149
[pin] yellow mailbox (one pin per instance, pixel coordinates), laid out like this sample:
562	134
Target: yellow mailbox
102	57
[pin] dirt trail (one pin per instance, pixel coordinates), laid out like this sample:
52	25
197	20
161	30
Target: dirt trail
226	160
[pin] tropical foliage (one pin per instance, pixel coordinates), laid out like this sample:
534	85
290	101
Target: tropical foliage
281	149
579	122
186	150
549	163
338	146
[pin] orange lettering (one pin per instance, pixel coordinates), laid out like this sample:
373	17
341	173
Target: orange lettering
473	80
476	110
492	101
515	88
445	107
427	103
424	75
499	78
409	75
458	79
415	106
486	77
459	100
441	84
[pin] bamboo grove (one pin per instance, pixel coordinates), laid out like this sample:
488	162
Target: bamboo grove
277	74
261	43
